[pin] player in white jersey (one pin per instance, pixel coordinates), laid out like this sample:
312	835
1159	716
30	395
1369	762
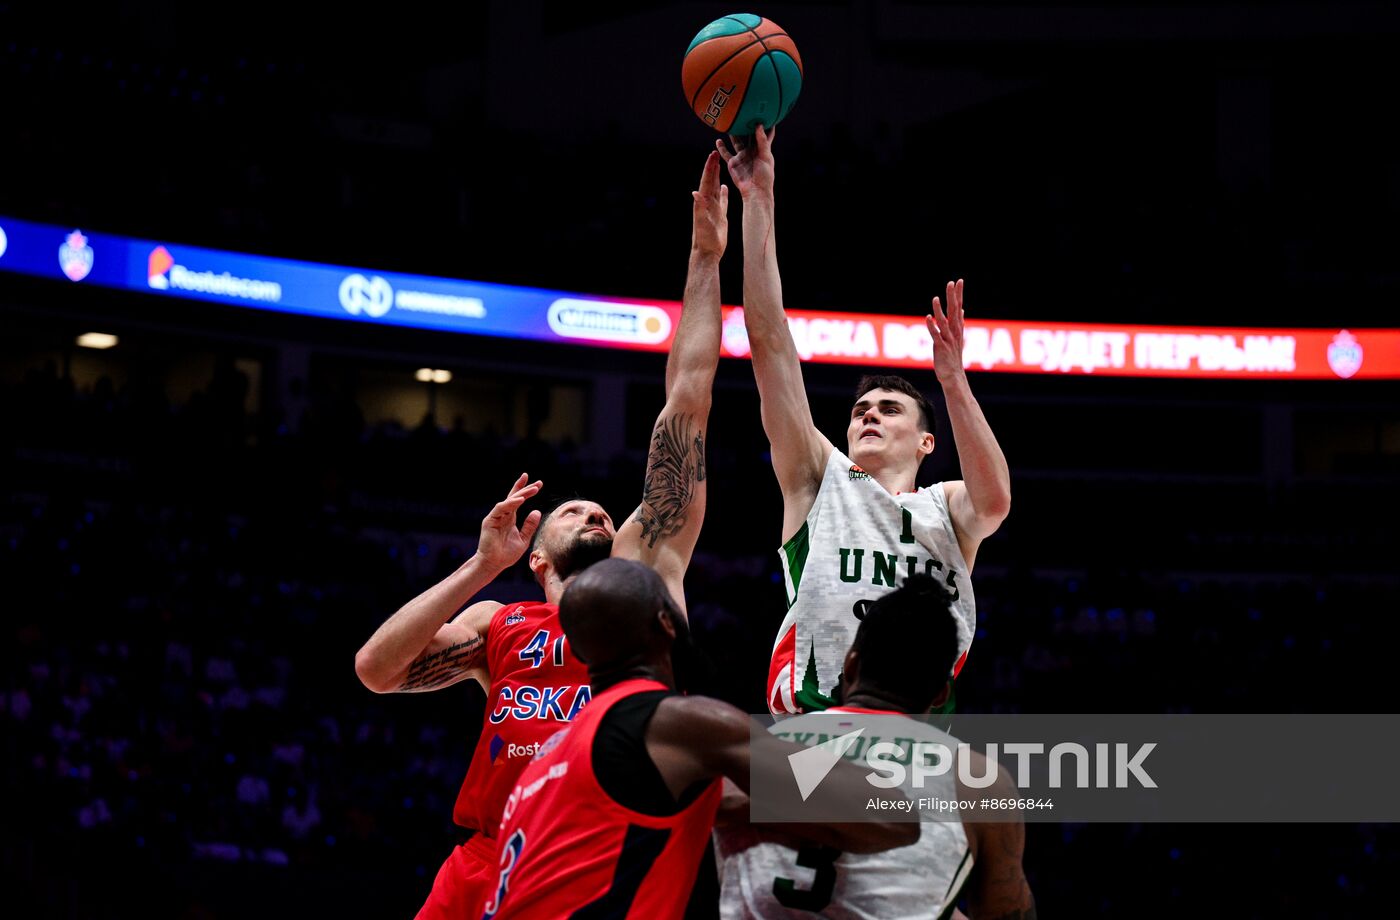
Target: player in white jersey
892	668
854	523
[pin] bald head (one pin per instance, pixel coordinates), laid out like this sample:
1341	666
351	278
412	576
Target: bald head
618	616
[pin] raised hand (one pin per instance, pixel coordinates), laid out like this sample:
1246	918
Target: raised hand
709	232
947	332
750	162
502	543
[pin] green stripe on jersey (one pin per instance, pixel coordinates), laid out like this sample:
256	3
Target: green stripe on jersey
794	554
944	722
955	887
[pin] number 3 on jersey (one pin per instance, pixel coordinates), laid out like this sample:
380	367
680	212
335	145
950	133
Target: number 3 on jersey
510	855
818	897
534	651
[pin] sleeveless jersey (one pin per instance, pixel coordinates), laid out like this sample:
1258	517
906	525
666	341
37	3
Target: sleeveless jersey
536	685
857	543
760	881
568	849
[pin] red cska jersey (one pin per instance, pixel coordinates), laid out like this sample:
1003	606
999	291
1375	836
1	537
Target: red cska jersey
567	848
537	685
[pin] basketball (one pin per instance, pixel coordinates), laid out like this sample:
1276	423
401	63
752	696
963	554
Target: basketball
741	71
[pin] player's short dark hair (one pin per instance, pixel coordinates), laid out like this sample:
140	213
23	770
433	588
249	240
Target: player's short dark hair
908	643
899	385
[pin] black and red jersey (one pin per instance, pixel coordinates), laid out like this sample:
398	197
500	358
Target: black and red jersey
569	848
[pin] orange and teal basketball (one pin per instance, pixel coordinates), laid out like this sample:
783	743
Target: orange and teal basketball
741	71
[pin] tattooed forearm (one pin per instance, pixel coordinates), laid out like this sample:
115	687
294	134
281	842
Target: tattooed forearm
675	465
443	667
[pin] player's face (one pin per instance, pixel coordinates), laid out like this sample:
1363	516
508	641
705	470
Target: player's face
884	428
577	534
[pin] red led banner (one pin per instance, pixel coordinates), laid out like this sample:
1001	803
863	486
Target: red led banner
881	340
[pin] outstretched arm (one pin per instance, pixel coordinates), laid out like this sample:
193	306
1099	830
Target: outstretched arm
694	738
981	500
417	649
799	450
663	530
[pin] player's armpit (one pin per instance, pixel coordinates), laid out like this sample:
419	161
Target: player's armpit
972	521
970	525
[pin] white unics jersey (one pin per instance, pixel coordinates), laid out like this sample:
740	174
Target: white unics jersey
857	543
760	881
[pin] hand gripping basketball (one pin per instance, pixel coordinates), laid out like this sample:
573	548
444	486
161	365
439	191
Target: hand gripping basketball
750	163
741	71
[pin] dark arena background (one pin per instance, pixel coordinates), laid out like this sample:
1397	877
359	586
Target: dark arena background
202	524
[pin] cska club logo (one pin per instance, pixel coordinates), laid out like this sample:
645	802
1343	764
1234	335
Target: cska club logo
1344	355
75	256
